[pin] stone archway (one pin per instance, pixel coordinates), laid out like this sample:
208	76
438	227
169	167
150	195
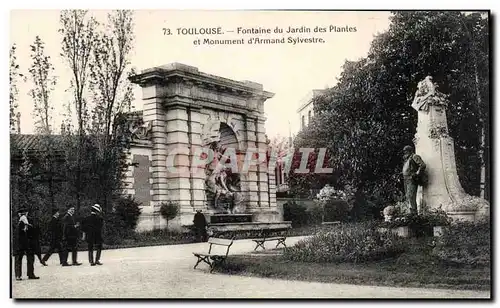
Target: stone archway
190	109
227	137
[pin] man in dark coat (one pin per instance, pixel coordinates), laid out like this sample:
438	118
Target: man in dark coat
34	238
70	238
23	246
92	228
200	226
413	175
55	231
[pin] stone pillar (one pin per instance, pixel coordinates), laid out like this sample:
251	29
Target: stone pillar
250	174
178	149
197	179
262	173
154	112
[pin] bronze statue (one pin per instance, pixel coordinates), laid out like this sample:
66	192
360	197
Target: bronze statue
413	175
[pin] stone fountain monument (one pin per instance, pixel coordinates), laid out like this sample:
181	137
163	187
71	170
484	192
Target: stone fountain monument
435	146
186	110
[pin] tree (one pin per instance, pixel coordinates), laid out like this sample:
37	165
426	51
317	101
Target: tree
112	97
169	211
112	92
41	75
78	43
366	119
14	91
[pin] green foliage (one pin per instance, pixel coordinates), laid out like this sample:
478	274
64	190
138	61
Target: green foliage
160	236
128	210
296	213
85	166
169	210
14	90
359	242
465	243
115	229
438	218
366	119
41	71
421	225
315	214
336	210
121	222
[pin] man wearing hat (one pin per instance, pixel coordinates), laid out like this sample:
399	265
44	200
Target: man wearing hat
70	238
92	228
55	231
23	246
413	175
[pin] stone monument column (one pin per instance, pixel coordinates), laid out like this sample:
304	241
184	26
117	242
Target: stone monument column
197	179
435	147
250	174
154	112
262	175
178	173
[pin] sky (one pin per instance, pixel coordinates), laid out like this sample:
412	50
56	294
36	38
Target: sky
289	71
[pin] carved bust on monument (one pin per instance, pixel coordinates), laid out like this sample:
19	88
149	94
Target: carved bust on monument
436	148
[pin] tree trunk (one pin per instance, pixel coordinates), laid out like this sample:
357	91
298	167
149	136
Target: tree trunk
483	135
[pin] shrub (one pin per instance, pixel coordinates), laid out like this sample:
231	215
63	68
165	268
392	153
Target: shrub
296	213
169	210
336	203
121	222
421	225
115	229
336	210
128	210
315	214
357	242
465	243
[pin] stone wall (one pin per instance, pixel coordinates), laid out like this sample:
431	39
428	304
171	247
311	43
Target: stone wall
186	108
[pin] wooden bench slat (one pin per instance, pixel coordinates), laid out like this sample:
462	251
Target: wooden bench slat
208	254
220	241
270	238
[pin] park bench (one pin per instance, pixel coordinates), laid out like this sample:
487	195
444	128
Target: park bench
266	238
211	258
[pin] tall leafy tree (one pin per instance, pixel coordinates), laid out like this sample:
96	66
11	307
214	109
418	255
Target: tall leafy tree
112	92
44	81
366	119
41	72
14	91
112	97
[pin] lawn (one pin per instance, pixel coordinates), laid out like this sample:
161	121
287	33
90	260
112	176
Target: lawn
414	268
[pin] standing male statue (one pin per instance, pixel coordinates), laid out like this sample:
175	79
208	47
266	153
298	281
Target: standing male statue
413	175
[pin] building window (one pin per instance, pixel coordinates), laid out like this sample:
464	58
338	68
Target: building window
309	116
303	121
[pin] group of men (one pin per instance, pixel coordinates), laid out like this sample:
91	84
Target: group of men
64	237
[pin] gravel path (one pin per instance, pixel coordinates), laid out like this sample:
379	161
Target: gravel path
167	272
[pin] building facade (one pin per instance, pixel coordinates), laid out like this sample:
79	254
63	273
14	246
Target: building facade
306	107
185	110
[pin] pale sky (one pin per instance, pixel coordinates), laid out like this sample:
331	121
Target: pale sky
289	71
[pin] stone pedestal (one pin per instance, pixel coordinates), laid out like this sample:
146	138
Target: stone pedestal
436	149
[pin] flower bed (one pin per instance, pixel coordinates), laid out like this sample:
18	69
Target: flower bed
358	242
